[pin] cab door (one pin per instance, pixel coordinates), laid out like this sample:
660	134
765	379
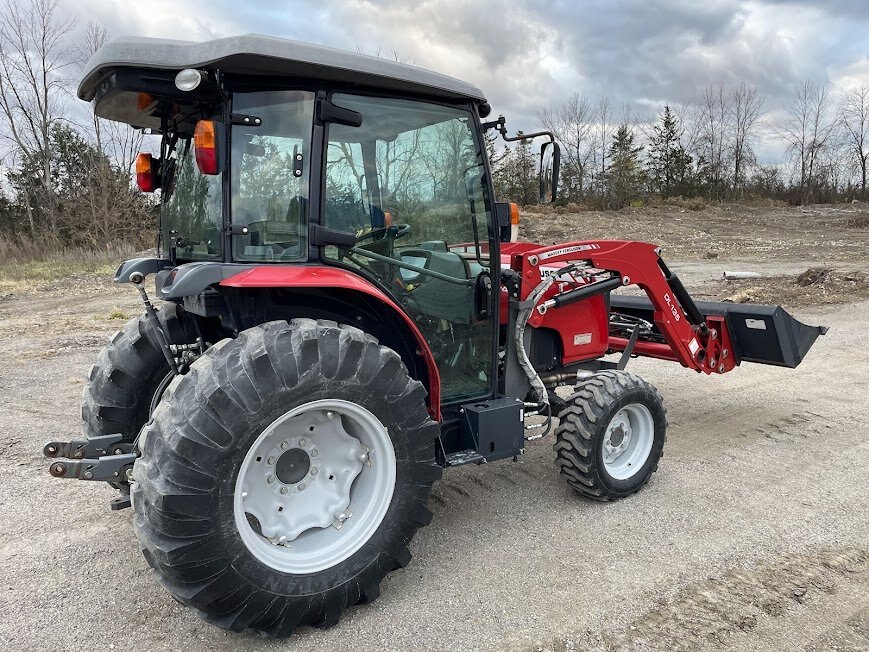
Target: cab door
410	182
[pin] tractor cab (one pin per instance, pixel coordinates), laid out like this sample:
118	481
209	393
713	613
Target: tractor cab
276	153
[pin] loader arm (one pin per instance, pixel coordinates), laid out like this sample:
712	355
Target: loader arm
699	340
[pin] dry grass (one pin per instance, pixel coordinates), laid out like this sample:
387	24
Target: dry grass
689	204
26	265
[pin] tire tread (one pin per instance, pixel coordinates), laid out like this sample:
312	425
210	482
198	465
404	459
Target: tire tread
578	432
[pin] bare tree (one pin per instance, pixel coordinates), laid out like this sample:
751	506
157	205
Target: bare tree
854	117
692	123
808	130
396	55
603	131
746	111
95	37
34	55
571	122
713	144
120	142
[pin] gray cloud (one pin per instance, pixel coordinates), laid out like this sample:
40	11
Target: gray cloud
528	53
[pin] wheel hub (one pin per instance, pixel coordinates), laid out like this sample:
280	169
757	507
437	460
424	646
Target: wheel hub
327	466
617	438
322	465
292	466
628	440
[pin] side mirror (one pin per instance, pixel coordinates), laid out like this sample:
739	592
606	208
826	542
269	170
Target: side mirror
550	161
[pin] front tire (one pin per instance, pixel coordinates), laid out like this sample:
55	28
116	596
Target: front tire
244	430
611	435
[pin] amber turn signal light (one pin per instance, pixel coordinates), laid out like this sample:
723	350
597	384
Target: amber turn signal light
145	177
514	213
205	147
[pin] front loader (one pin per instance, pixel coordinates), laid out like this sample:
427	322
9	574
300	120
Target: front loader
341	311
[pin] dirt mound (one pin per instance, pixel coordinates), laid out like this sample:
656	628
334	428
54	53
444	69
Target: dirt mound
814	276
815	286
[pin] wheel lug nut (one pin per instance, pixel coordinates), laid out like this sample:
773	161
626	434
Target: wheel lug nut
302	442
314	452
270	479
285	445
363	457
315	471
284	490
302	486
271	460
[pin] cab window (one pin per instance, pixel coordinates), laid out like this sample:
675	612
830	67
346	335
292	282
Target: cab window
270	175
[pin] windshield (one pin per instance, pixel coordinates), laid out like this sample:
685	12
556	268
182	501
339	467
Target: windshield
270	171
191	210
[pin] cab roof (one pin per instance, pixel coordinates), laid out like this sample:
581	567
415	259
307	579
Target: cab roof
258	55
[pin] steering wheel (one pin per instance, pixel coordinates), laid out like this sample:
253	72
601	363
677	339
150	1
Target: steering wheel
395	232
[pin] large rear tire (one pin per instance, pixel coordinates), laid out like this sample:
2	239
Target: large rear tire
121	385
611	435
282	478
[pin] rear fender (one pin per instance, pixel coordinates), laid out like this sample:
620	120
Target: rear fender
310	278
143	266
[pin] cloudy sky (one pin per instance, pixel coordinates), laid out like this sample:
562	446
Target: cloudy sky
527	53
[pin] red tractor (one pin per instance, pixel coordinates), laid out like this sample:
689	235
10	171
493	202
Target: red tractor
344	313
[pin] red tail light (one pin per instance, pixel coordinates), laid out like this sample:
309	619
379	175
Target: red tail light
145	177
205	147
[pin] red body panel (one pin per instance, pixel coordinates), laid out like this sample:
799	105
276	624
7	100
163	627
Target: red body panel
270	276
583	328
637	264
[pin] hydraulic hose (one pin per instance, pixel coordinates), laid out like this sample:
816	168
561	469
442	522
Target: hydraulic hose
521	321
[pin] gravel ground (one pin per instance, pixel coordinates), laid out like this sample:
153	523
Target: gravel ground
752	535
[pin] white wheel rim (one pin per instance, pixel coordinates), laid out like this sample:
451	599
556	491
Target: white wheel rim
314	486
628	440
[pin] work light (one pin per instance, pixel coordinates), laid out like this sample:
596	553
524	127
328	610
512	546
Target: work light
188	79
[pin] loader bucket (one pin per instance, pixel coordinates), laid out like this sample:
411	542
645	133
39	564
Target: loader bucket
763	334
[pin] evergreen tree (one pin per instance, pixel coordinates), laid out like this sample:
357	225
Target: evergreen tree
496	155
624	176
518	180
668	164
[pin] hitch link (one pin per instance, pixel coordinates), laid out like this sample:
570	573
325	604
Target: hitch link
92	447
108	467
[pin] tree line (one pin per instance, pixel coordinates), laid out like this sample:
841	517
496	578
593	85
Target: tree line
705	149
66	180
67	183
